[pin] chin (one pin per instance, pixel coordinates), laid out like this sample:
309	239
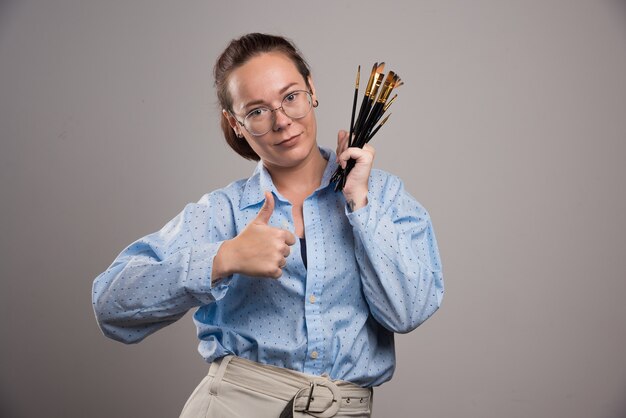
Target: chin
304	148
295	155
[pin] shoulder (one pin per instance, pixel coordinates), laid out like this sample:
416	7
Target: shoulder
231	193
224	199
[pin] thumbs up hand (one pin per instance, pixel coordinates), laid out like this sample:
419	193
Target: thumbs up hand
260	250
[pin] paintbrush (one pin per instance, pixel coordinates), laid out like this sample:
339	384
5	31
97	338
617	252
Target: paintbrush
377	109
380	125
354	126
372	109
356	95
368	89
370	95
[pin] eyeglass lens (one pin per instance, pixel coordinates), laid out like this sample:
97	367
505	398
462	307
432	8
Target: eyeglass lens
295	105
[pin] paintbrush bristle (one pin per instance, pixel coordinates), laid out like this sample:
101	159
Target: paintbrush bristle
384	120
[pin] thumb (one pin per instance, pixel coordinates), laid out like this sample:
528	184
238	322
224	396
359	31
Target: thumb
267	209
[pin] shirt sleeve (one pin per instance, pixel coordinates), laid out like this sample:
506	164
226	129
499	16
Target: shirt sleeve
397	255
155	280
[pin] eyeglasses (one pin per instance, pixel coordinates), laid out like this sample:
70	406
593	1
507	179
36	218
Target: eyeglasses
260	120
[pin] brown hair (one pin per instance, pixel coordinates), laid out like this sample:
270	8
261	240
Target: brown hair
237	53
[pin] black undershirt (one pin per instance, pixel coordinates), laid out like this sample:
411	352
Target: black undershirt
303	250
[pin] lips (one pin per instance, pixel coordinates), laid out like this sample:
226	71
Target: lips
289	140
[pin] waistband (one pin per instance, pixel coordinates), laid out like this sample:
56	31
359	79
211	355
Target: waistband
317	395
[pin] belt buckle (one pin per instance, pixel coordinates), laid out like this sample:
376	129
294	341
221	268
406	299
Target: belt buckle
311	409
310	398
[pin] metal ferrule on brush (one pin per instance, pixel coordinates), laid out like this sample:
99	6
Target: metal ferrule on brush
387	87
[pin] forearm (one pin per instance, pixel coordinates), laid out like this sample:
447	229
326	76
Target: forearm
398	257
401	292
140	294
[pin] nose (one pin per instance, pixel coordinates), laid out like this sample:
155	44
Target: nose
281	120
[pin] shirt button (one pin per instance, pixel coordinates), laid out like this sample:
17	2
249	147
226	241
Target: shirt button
312	298
314	355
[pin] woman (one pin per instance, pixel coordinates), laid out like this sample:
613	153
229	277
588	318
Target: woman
295	323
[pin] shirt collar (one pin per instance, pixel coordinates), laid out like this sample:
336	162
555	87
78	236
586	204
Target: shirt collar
261	180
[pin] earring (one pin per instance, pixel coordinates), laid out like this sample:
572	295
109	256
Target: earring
316	103
239	135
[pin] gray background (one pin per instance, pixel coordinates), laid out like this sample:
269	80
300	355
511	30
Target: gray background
510	129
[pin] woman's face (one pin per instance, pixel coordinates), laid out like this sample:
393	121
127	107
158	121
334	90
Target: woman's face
264	81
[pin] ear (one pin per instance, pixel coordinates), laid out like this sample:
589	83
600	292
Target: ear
312	85
232	122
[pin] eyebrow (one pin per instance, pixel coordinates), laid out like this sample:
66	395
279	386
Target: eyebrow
258	102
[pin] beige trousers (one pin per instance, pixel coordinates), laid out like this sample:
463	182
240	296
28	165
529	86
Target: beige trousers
237	387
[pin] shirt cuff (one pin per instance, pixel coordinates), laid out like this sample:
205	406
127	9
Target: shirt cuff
200	269
362	217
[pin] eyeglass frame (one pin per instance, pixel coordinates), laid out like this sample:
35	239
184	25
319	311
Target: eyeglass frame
311	106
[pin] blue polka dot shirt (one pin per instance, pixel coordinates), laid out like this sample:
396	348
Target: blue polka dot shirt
370	273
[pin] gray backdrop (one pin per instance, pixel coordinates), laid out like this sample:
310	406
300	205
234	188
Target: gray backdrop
510	129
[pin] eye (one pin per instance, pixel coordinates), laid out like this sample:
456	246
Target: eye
257	113
291	97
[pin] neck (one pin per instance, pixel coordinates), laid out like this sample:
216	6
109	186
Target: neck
302	178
